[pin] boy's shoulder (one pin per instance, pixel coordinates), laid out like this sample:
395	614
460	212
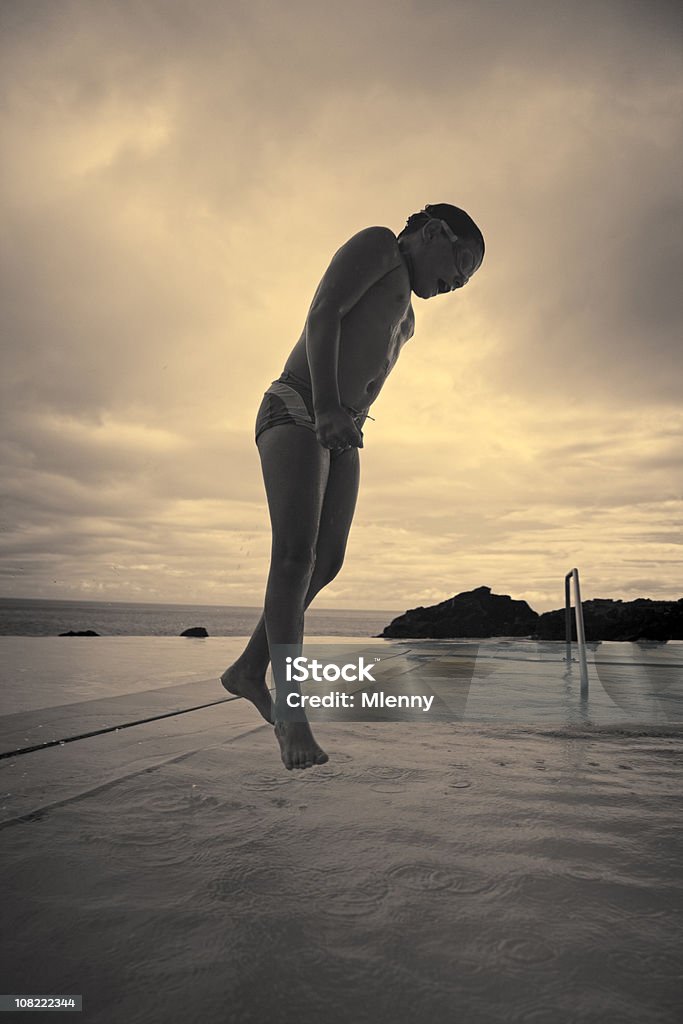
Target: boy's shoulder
374	243
376	235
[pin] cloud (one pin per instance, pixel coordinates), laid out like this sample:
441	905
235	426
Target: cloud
176	179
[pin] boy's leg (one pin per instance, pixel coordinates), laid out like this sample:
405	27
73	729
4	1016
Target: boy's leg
295	471
336	517
247	675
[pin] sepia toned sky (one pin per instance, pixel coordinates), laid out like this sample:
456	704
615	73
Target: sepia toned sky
176	176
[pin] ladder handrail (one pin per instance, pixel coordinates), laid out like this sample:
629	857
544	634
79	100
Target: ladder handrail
580	632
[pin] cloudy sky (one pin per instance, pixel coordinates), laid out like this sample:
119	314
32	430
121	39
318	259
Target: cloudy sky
176	178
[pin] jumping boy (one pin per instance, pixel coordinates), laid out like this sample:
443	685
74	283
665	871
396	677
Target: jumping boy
360	319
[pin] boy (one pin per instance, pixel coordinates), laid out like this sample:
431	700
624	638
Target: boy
359	320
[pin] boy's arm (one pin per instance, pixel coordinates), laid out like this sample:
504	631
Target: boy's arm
354	269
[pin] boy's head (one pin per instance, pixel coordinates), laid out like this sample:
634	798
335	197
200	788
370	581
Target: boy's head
460	222
444	247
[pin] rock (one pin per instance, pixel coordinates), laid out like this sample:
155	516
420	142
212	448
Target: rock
81	632
195	631
604	619
474	613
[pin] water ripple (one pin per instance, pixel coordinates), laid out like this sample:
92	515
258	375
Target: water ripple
271	880
653	964
421	876
357	899
387	773
321	773
541	1013
526	952
265	783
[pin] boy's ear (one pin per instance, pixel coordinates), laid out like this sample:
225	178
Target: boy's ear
431	229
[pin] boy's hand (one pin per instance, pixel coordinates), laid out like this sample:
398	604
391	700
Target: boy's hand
336	429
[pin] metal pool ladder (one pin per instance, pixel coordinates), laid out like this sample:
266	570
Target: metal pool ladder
580	632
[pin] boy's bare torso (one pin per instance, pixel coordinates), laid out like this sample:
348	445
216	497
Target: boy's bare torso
372	335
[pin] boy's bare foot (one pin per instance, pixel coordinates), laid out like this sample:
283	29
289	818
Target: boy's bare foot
297	746
239	682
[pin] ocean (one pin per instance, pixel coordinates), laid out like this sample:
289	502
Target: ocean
35	617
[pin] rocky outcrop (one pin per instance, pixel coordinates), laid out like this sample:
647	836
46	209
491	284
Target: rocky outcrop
474	613
81	632
195	631
604	619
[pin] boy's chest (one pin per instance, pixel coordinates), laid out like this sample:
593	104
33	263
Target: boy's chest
385	311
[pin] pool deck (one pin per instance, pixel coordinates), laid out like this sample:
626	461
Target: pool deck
515	857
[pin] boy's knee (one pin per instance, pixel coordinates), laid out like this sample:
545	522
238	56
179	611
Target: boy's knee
327	570
294	562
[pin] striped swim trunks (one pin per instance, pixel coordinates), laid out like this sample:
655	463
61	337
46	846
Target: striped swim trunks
290	400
